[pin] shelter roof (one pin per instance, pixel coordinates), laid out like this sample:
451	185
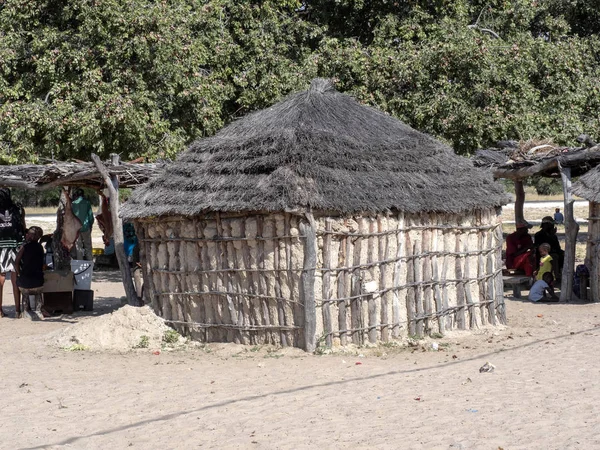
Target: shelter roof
317	149
516	160
588	185
46	176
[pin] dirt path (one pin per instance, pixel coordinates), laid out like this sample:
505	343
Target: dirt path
543	394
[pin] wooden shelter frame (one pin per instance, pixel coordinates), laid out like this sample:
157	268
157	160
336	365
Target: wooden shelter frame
565	163
97	175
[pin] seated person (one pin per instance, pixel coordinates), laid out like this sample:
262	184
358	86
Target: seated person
547	235
29	264
545	263
558	217
519	247
542	290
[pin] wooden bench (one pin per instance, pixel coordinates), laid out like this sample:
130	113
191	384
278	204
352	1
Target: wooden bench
516	282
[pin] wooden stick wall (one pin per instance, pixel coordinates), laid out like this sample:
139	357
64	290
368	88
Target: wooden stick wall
245	279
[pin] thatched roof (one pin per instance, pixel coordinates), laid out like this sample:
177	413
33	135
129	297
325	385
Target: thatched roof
53	174
321	150
519	160
588	185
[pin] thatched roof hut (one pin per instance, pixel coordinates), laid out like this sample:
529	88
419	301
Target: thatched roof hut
319	207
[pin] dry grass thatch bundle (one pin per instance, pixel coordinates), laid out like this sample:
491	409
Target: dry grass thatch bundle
322	150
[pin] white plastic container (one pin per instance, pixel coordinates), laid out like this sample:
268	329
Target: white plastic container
82	270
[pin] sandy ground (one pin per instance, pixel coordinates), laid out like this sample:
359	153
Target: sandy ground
543	393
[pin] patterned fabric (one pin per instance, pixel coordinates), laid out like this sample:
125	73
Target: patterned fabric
7	259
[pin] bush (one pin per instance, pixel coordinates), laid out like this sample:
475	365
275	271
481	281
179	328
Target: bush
547	186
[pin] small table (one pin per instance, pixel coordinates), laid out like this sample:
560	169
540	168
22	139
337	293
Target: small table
516	282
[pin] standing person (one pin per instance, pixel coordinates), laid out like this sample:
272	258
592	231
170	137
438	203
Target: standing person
558	217
547	235
519	247
12	230
82	209
545	265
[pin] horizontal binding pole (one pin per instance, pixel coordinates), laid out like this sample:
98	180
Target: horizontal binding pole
219	239
409	258
420	283
335	269
233	327
416	227
186	272
351	330
239	294
450	310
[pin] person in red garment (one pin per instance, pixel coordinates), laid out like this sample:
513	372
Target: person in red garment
519	249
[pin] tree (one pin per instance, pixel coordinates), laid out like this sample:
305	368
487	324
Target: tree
140	78
146	77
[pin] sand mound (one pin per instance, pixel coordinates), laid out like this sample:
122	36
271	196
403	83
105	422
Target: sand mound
127	328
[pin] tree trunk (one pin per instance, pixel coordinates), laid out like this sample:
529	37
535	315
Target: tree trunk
113	195
571	230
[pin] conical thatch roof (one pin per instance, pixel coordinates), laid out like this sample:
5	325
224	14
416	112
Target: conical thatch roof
317	149
588	185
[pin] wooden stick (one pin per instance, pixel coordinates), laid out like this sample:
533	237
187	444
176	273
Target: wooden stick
519	201
309	230
278	291
499	283
356	319
341	290
411	308
419	326
327	325
384	253
118	238
491	282
481	284
400	246
472	313
571	230
460	288
426	264
372	305
437	294
593	251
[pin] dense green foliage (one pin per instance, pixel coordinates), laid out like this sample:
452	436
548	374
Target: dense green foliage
145	77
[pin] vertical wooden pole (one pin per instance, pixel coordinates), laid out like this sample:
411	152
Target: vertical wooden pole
308	230
499	283
460	286
593	250
384	254
411	307
519	200
327	325
418	288
426	262
400	245
113	195
571	230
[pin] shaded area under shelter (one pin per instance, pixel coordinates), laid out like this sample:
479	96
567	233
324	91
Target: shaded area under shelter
519	161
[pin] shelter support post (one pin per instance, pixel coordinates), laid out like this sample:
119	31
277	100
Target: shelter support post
571	230
113	195
519	200
308	229
593	250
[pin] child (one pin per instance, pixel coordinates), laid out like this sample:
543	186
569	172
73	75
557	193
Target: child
29	264
545	262
542	287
